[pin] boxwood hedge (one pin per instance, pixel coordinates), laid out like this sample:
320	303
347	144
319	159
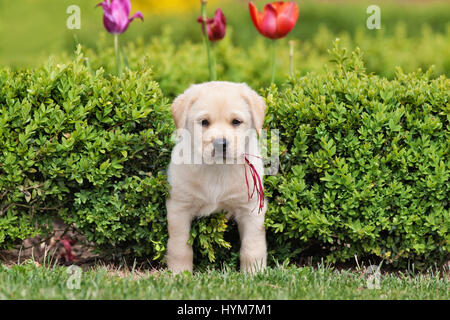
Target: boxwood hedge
364	164
85	147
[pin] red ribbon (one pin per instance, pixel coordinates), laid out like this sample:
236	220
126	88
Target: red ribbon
257	183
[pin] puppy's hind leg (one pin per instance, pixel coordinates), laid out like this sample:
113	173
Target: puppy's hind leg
179	253
253	241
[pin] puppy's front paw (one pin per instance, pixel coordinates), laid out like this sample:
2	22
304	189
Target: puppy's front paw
177	266
179	257
253	264
176	269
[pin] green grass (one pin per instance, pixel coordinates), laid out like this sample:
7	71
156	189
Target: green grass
27	281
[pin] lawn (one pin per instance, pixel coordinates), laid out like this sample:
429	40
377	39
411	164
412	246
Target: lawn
27	281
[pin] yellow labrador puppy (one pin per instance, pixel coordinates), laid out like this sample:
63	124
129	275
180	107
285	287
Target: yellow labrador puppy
217	124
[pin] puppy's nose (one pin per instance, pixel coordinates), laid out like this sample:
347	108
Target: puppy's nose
220	145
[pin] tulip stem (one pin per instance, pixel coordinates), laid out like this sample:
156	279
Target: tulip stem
291	58
213	59
212	74
116	49
274	59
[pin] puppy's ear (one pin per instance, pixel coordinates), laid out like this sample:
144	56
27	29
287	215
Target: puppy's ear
257	107
181	105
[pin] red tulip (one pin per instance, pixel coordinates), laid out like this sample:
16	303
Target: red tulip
215	27
276	20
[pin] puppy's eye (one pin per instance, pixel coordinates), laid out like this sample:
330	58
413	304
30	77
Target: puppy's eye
205	123
236	122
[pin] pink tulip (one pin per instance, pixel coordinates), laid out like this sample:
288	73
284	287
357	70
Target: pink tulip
215	27
116	15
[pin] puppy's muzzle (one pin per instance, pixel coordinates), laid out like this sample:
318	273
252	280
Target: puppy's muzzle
220	147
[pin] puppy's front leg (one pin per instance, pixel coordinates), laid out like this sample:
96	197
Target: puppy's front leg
179	252
253	241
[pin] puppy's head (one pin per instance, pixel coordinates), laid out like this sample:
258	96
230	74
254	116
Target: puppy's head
220	118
